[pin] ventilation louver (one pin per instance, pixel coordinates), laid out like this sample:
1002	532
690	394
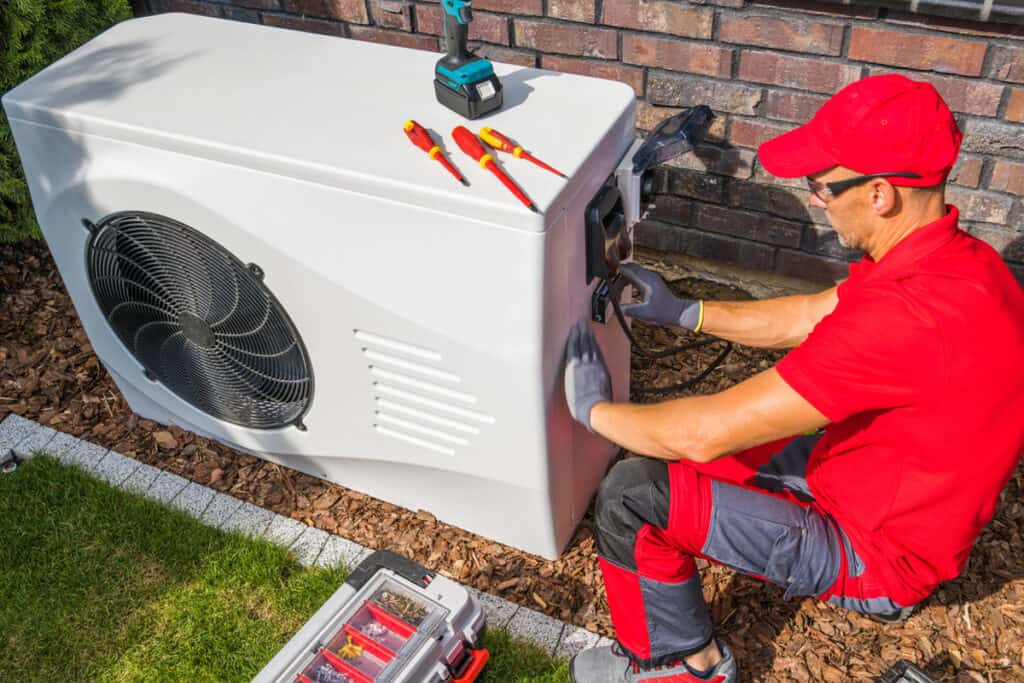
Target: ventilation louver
199	320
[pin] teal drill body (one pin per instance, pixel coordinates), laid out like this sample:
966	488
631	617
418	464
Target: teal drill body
464	82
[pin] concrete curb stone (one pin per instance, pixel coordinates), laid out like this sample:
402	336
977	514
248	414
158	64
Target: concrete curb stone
193	499
141	479
249	520
116	468
220	509
310	545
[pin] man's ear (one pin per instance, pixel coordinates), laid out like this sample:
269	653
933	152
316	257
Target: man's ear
882	197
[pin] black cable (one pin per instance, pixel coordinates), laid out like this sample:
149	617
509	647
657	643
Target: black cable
617	285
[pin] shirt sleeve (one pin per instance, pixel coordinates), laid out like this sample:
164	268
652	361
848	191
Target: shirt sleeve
878	349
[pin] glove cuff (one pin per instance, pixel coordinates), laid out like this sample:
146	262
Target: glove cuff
692	315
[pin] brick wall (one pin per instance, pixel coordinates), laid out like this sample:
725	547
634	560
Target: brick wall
764	66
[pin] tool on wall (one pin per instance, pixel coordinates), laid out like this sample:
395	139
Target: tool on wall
499	141
420	137
469	144
463	82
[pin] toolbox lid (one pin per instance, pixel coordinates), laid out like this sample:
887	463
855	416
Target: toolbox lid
324	109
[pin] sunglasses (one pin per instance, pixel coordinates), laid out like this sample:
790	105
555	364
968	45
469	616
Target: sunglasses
829	191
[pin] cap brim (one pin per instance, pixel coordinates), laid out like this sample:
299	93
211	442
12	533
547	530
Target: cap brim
794	154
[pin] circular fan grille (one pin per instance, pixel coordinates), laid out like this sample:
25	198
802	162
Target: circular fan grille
199	320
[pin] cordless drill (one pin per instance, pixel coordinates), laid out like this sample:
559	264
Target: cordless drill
464	82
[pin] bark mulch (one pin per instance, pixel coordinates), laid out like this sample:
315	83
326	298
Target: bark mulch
972	629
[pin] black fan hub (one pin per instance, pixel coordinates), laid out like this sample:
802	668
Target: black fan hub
197	331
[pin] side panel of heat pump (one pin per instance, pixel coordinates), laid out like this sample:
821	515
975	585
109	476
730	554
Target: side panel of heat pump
426	331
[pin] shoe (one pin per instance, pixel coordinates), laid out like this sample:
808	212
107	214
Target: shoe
611	664
893	617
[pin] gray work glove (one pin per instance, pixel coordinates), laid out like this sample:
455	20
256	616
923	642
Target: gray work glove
657	304
586	377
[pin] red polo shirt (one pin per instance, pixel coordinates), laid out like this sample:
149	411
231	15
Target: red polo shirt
920	369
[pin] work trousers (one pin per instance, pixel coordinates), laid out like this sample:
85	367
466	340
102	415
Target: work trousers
751	511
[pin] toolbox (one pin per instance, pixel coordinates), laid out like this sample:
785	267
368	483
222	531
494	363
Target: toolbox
392	621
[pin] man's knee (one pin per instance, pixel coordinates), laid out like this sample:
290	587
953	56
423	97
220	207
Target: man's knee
635	492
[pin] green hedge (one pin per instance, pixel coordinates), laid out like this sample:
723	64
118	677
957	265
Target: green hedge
33	34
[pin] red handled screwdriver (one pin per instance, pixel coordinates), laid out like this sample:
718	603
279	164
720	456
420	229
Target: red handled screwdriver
499	141
469	144
421	138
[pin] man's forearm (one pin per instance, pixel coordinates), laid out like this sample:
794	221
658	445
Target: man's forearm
779	323
654	429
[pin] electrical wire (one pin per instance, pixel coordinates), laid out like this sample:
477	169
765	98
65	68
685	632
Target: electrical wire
616	287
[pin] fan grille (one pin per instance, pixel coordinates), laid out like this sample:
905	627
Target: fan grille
199	320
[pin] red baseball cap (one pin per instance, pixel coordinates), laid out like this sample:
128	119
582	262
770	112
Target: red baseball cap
879	124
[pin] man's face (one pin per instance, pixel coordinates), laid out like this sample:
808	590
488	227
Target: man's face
848	212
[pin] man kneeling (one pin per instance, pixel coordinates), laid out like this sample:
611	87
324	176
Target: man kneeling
909	375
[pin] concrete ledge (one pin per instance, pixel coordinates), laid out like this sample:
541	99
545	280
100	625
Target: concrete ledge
310	545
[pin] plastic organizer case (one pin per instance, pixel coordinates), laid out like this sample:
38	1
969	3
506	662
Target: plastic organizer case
392	621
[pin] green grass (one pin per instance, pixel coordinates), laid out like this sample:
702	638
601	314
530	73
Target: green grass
97	584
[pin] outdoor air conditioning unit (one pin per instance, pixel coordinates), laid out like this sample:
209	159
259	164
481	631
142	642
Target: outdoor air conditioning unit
259	255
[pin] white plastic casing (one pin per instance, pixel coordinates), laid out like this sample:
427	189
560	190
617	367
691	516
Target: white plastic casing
434	315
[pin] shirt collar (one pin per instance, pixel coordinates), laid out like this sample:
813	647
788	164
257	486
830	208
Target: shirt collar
913	247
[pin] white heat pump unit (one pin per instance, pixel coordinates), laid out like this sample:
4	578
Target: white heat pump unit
259	255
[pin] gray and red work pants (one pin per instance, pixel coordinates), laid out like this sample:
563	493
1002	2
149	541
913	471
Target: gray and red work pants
751	511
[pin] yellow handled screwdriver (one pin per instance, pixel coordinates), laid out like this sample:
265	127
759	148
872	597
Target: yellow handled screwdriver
499	141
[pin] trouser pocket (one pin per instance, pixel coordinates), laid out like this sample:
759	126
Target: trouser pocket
788	544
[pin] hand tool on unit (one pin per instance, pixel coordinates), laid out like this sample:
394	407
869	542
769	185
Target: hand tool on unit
464	82
469	144
499	141
420	137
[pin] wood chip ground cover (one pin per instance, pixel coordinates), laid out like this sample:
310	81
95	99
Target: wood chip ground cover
972	629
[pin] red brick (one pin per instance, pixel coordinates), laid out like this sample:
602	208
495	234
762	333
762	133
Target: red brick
731	161
803	73
241	14
378	35
961	94
817	7
1015	108
679	90
747	133
573	10
1007	64
777	200
1007	176
659	16
763	177
566	39
677	55
329	28
1000	239
917	51
989	137
489	28
391	14
792	106
505	54
190	6
976	205
531	7
343	10
648	116
807	267
257	4
613	71
747	224
783	32
964	28
967	171
706	187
